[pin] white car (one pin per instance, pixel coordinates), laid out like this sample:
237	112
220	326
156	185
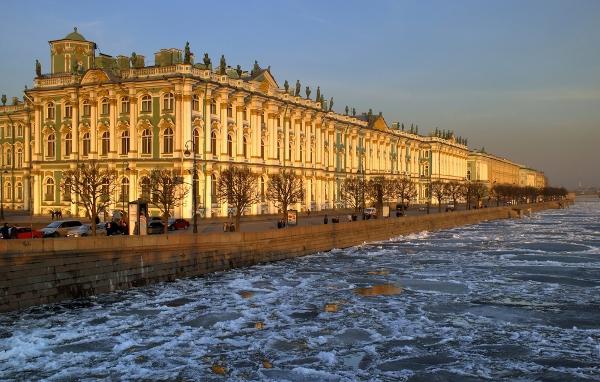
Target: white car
86	230
371	211
60	228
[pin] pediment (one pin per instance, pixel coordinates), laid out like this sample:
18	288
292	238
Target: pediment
266	81
94	76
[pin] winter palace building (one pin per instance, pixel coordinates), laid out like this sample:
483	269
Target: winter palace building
176	114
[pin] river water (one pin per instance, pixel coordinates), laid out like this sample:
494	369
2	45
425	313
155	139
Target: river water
504	300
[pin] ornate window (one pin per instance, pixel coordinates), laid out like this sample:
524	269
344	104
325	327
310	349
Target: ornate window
278	149
87	108
245	146
49	189
195	102
213	142
124	196
262	189
196	141
104	106
245	114
19	158
125	142
50	110
146	103
213	188
125	105
68	144
105	147
229	145
19	131
68	110
19	191
229	111
8	191
145	183
146	142
86	144
50	148
168	101
66	195
168	141
8	160
213	106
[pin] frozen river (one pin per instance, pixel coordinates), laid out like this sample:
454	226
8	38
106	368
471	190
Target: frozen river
505	300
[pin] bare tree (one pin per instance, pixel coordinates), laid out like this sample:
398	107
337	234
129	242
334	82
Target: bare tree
167	192
438	191
454	190
405	190
285	189
93	186
479	191
238	188
378	190
353	192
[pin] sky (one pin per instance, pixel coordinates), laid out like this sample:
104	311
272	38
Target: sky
520	78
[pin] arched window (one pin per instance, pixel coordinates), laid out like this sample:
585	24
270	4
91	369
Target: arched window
87	108
49	189
125	105
245	114
168	141
262	149
145	183
105	143
146	103
50	110
104	106
195	102
66	195
229	111
50	145
19	158
19	191
86	144
245	146
19	130
68	110
229	145
213	142
8	191
168	101
125	142
68	144
146	142
124	196
8	157
213	106
278	149
196	141
213	188
262	189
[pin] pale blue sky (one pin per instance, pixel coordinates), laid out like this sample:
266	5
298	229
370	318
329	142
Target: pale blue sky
521	78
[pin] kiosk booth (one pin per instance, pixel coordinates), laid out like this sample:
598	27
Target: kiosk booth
138	217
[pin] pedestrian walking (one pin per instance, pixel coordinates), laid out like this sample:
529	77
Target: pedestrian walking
52	214
325	219
4	231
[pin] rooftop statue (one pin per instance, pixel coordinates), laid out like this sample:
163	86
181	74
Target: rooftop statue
187	58
286	86
331	104
354	112
255	68
222	65
238	69
133	59
346	110
318	99
38	68
308	92
206	60
297	93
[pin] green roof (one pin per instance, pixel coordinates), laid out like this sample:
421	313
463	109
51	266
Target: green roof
75	36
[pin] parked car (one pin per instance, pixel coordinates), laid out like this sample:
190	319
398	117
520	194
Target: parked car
450	207
60	228
28	233
155	227
178	224
370	212
86	230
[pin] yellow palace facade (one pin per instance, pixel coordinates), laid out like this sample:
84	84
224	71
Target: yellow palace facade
177	115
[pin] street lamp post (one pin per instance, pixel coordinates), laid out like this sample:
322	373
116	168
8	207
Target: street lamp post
125	171
2	172
194	182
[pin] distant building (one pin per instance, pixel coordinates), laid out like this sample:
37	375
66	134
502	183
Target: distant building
491	169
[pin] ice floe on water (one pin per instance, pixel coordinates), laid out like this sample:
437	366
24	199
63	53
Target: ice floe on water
501	300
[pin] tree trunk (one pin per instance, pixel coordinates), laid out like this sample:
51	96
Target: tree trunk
238	217
284	208
439	204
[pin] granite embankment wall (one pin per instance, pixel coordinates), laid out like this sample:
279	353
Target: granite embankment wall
41	271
